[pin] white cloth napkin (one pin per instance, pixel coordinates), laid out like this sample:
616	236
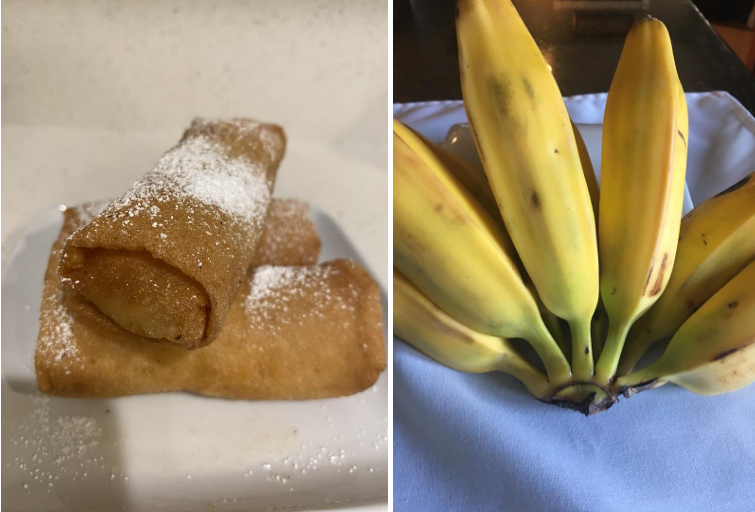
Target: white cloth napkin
480	442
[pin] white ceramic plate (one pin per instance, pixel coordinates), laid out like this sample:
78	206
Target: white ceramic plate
177	451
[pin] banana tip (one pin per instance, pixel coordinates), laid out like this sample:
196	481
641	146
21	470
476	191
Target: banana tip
646	18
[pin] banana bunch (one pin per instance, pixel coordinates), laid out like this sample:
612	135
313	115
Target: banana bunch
516	252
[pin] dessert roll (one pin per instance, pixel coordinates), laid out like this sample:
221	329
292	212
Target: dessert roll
165	260
290	236
291	333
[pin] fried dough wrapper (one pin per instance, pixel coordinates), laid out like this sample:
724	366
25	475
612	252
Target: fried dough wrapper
290	236
166	259
292	333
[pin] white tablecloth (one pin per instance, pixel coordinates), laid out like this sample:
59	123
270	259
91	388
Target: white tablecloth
480	442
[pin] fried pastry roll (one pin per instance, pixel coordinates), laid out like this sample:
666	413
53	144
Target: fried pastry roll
291	333
166	259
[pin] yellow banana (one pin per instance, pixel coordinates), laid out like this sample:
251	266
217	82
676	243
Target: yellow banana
598	324
552	322
523	135
427	328
587	169
716	241
714	350
470	178
452	250
642	183
476	183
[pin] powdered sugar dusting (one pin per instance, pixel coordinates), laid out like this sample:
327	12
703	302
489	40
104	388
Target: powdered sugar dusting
294	231
200	169
241	125
274	289
52	447
88	211
60	343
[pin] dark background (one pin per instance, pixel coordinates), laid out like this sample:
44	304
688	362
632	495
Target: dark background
583	46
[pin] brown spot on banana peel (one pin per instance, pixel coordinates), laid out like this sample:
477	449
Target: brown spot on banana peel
528	90
733	305
741	183
683	138
463	219
726	353
650	274
500	91
415	244
535	201
587	350
453	213
659	280
692	306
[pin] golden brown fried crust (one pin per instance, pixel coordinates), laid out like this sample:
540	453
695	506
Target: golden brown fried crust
291	333
185	218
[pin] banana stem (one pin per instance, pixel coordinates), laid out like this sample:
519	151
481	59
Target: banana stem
555	362
585	397
631	384
533	379
581	352
634	349
554	326
598	330
605	368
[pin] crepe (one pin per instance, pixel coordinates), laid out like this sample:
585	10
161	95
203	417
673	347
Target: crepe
291	333
290	236
166	259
